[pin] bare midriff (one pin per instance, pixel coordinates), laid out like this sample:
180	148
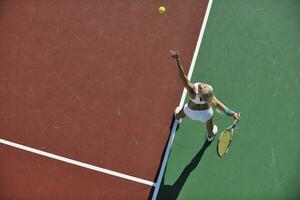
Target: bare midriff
194	106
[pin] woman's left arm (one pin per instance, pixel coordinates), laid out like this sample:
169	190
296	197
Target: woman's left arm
221	106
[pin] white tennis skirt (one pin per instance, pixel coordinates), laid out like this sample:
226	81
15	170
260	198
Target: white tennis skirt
198	115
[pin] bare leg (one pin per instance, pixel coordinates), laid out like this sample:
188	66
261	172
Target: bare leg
180	114
209	126
211	130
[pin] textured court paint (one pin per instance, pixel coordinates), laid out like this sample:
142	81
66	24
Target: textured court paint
75	162
182	100
251	54
92	81
50	179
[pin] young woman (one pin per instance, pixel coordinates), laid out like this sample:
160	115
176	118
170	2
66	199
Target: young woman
201	101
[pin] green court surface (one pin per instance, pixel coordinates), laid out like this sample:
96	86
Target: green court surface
250	53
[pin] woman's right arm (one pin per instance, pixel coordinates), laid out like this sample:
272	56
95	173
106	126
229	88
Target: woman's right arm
187	84
221	106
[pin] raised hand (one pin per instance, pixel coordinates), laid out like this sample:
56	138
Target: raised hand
174	54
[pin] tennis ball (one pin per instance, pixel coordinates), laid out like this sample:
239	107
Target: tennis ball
162	10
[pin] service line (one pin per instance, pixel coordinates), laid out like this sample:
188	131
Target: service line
78	163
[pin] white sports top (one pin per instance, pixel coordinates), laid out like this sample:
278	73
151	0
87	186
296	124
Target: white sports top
198	99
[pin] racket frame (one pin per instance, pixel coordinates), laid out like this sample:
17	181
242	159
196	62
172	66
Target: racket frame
230	129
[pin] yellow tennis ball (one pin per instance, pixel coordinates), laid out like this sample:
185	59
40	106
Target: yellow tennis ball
162	10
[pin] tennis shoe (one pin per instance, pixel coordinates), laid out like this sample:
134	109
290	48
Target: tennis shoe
212	135
178	120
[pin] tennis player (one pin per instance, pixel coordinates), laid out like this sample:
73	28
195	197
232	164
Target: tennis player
202	100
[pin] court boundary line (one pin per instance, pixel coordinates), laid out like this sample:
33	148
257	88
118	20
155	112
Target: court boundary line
77	163
118	174
173	132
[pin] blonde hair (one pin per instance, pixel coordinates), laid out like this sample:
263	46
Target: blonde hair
208	96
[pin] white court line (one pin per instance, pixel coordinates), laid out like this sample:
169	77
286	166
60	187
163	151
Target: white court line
117	174
166	156
78	163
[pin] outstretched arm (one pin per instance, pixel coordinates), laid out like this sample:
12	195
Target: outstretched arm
221	106
187	84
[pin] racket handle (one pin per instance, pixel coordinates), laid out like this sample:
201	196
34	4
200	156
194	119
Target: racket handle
235	121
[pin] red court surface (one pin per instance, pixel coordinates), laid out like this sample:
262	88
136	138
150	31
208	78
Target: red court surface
28	176
91	81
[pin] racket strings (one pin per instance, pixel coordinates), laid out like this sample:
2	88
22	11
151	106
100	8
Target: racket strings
224	143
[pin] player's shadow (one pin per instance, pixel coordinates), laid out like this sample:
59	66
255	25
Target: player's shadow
171	192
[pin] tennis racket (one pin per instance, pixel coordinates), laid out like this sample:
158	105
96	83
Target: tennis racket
225	140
